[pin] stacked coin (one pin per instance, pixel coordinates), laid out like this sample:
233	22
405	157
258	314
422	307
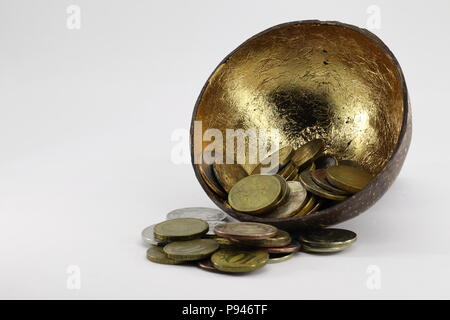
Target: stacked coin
300	183
237	247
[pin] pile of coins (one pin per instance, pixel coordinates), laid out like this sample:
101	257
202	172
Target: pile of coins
201	236
302	182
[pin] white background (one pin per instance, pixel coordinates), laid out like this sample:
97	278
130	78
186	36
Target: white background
86	118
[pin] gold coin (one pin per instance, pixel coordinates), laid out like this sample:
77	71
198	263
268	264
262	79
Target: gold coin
329	237
180	229
351	179
275	161
280	257
309	205
255	194
245	230
294	203
228	174
207	172
288	170
319	176
308	152
223	241
311	186
292	175
192	250
313	249
285	190
239	260
315	208
280	239
156	254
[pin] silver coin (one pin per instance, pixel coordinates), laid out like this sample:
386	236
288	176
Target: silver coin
208	214
148	236
212	225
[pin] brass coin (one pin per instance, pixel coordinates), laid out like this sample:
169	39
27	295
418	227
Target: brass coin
191	250
180	229
308	152
309	205
239	260
207	172
311	186
315	208
285	191
255	194
351	179
223	241
288	170
326	238
294	246
292	175
228	174
272	164
313	249
156	254
319	176
325	161
294	203
280	257
280	239
245	230
148	236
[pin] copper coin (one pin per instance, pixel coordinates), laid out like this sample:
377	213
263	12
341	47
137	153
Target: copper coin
245	230
294	246
319	176
207	265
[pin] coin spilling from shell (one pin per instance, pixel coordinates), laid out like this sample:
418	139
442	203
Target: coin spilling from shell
206	238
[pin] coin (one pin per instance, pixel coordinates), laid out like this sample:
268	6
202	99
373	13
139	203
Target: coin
208	214
288	170
285	191
319	176
313	249
280	239
311	186
294	203
180	229
148	236
292	175
280	257
223	241
294	246
350	163
255	194
325	161
307	152
228	174
207	172
245	230
212	225
239	260
330	237
309	205
351	179
271	164
207	265
156	254
315	208
191	250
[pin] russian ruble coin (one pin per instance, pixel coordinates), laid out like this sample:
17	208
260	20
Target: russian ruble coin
245	230
325	161
294	246
319	176
308	152
309	205
311	186
313	249
148	236
328	238
229	174
156	254
180	229
294	203
280	257
208	214
351	179
191	250
239	260
280	239
271	164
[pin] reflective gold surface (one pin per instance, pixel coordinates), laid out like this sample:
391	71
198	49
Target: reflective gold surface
310	81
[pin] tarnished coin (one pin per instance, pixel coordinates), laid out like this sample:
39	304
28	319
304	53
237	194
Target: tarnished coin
311	186
180	229
228	174
207	265
280	239
285	191
319	176
207	173
191	250
208	214
148	236
156	254
315	208
325	161
351	179
307	152
280	257
294	246
309	205
273	163
223	241
212	226
245	230
289	170
255	194
313	249
294	203
326	238
239	260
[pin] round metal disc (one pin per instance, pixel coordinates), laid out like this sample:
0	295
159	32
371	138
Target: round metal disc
245	230
351	179
148	236
311	186
208	214
293	204
280	257
239	260
319	176
156	254
329	237
294	246
180	229
191	250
